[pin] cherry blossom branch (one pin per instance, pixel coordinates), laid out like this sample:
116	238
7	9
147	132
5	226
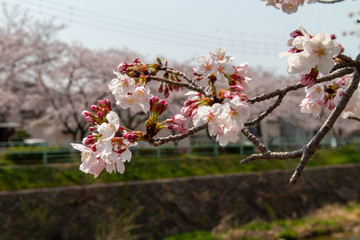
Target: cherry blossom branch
354	118
311	147
267	112
266	96
279	92
183	75
255	140
178	137
345	58
181	84
273	155
330	1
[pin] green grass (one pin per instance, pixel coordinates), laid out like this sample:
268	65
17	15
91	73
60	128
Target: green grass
200	235
38	176
329	219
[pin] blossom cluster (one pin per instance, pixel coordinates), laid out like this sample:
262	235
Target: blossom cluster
218	103
310	55
287	6
218	67
128	94
328	95
215	100
228	111
108	145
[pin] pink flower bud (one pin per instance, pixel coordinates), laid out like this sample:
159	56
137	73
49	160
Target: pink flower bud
166	92
123	66
88	119
236	87
95	108
188	102
137	61
296	33
182	128
91	129
93	148
179	128
85	113
153	101
309	79
171	87
161	107
101	103
118	140
89	140
108	104
294	50
179	119
131	136
100	115
170	120
186	111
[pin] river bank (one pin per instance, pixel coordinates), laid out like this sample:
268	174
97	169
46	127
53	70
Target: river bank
173	206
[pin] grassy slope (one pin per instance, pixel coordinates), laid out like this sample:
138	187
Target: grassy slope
327	220
37	176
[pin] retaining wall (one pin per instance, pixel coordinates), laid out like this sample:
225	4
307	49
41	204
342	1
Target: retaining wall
170	206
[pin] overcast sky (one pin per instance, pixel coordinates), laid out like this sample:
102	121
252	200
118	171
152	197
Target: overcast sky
183	30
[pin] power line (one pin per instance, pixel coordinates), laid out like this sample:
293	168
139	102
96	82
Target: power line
185	41
140	24
143	27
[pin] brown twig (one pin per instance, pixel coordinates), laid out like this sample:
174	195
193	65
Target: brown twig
254	140
273	155
265	113
183	75
345	58
181	84
336	74
311	147
173	138
354	118
330	1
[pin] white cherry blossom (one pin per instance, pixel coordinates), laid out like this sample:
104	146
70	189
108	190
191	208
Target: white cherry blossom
238	114
212	115
114	163
316	92
219	55
241	75
137	101
297	62
205	66
308	106
317	51
287	6
228	135
109	129
104	147
322	50
299	42
90	163
353	106
121	85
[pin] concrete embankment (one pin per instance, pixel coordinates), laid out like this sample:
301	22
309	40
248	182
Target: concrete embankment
170	206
